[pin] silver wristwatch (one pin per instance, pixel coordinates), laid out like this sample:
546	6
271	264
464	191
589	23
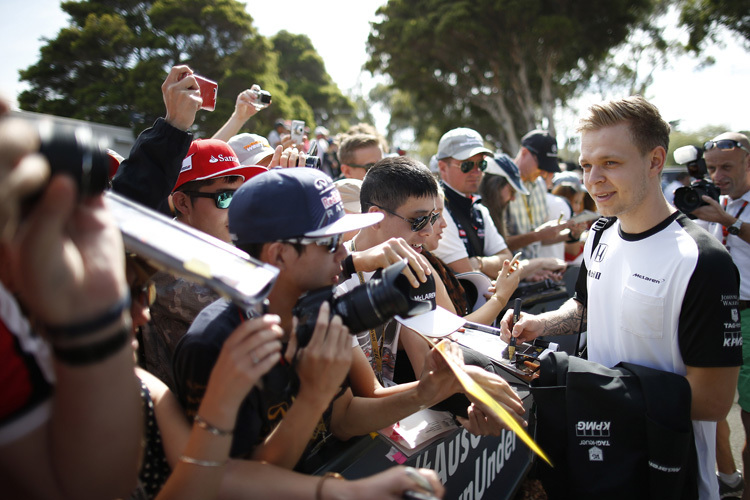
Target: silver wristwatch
735	228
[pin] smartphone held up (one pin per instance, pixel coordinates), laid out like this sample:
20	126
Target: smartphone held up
209	89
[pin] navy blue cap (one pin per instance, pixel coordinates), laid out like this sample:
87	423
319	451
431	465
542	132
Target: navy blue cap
287	203
504	166
544	146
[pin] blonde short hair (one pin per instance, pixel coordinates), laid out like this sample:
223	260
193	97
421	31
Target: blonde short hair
647	128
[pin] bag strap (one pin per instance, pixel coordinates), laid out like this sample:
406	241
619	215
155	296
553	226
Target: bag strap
598	228
468	226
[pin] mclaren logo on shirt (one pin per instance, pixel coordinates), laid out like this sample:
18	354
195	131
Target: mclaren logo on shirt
648	278
601	250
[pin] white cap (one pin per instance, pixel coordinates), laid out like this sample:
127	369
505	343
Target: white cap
250	149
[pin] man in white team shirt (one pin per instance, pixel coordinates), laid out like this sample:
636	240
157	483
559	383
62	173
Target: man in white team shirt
658	290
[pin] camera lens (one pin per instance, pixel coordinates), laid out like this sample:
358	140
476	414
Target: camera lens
370	305
363	308
77	152
687	199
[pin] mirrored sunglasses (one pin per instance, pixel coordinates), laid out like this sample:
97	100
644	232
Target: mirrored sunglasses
724	145
467	166
221	198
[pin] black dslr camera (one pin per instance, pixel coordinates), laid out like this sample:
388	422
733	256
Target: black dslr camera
73	150
366	306
688	198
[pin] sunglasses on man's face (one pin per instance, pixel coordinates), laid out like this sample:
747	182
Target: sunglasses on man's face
417	223
366	166
221	198
330	242
724	145
467	166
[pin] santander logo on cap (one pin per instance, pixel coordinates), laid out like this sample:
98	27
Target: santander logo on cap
218	158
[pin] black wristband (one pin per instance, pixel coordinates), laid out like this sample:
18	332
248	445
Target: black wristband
93	353
571	239
347	267
110	316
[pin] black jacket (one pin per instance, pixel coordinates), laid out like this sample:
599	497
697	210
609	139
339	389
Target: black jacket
149	174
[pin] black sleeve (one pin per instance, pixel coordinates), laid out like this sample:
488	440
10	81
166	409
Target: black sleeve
192	364
196	353
709	330
148	175
581	293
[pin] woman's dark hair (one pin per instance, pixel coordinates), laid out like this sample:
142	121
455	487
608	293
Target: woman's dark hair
489	190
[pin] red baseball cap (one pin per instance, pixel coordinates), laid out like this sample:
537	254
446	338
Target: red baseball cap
212	158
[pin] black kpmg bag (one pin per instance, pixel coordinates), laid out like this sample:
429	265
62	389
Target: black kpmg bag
623	432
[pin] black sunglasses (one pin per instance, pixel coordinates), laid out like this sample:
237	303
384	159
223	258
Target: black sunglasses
417	223
724	145
467	166
221	198
330	242
366	166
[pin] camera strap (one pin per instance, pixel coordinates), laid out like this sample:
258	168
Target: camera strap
724	230
377	347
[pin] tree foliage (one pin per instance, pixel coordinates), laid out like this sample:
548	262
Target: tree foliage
304	71
501	66
629	68
108	64
704	18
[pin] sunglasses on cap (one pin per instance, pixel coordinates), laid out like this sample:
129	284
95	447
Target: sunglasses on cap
417	223
330	242
467	166
221	198
724	145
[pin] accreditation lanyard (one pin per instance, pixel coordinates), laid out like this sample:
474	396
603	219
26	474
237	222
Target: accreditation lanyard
724	231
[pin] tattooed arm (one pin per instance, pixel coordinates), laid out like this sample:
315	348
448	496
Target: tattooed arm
564	321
